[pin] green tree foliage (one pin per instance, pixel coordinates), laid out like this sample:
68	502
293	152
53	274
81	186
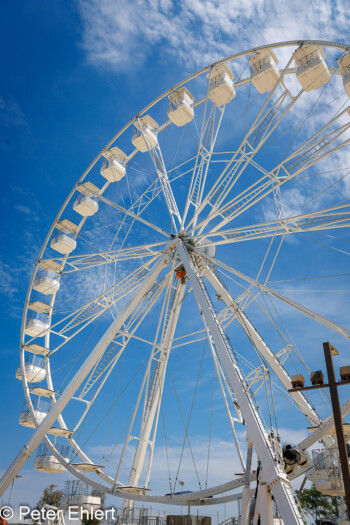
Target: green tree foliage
317	504
51	497
90	520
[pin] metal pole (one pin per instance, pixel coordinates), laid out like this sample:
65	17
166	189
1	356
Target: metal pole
80	375
246	491
272	471
338	422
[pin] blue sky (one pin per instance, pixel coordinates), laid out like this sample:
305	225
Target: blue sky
73	73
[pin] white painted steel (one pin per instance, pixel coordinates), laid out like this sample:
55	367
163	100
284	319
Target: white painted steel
76	381
36	327
46	284
85	206
312	70
153	395
344	66
63	243
273	474
265	71
200	199
265	351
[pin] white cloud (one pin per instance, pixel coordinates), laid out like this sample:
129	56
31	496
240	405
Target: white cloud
23	209
11	114
195	32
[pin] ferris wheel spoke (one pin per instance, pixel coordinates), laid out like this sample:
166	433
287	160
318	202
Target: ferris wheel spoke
146	198
336	217
273	362
254	424
297	306
325	427
82	373
108	360
267	120
156	155
78	320
81	262
155	188
152	385
130	213
209	131
224	383
315	149
134	268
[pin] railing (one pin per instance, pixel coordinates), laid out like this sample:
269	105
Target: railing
35	360
40	316
82	198
220	79
41	274
262	64
141	520
79	488
43	451
229	521
42	406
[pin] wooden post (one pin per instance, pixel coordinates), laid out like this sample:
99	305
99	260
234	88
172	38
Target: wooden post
338	422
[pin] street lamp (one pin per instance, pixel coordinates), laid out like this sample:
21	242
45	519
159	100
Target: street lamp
317	380
17	476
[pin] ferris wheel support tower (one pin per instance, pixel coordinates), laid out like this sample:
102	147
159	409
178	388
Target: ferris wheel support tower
218	194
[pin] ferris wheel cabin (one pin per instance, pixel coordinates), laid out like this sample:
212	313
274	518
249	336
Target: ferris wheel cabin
37	324
264	70
312	70
46	283
86	206
46	462
221	89
326	474
78	493
180	110
113	168
34	369
40	412
144	136
63	243
344	66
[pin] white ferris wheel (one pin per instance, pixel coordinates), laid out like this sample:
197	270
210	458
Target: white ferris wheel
193	270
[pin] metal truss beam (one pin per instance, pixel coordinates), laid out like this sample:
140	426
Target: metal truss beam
272	476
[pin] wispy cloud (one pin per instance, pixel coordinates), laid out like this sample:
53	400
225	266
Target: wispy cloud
11	114
195	32
16	267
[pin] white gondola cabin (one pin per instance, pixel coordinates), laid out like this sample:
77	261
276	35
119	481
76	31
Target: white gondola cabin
113	168
34	369
144	136
326	474
46	462
312	70
78	493
63	243
46	283
209	251
85	205
40	412
344	66
221	89
37	324
264	70
180	110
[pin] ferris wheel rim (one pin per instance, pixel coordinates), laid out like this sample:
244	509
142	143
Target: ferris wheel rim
86	172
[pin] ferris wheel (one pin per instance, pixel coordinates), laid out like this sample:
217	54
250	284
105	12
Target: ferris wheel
188	281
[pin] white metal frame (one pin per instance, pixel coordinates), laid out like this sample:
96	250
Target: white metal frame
326	141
